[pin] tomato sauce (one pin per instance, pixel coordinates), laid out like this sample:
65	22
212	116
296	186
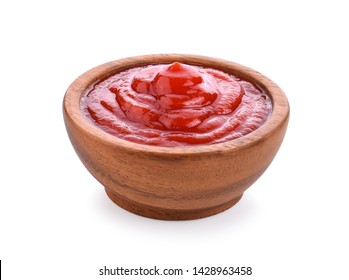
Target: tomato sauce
175	105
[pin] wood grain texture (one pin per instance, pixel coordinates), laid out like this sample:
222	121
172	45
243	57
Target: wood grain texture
176	183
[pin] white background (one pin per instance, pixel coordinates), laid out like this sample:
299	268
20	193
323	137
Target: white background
57	222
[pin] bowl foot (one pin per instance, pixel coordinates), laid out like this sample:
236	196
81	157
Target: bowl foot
168	214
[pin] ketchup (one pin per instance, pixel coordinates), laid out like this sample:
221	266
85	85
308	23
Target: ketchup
175	105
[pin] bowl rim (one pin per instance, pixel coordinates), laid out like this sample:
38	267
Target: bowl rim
72	99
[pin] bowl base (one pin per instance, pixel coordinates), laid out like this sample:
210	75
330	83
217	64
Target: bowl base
168	214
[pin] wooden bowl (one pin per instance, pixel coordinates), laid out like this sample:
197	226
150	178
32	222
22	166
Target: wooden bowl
174	183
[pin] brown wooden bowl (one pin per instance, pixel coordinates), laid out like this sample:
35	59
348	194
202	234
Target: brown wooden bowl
174	183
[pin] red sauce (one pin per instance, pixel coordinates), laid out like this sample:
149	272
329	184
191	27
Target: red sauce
176	104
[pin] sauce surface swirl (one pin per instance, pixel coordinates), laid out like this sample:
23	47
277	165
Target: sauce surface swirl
176	105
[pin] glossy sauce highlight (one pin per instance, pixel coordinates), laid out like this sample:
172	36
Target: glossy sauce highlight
175	105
